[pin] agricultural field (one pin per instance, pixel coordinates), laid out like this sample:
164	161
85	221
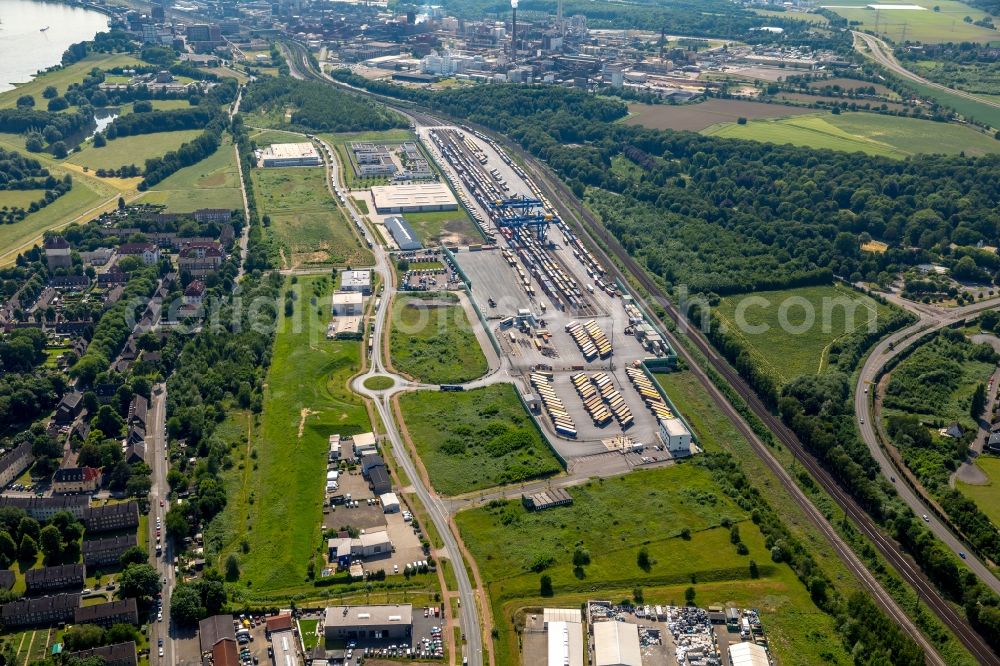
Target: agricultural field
678	516
276	491
447	226
131	149
696	117
62	78
432	340
836	312
808	17
305	219
888	136
947	24
212	183
475	439
987	496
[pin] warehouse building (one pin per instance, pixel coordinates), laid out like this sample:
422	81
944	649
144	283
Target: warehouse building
565	643
288	154
748	654
360	281
369	623
402	233
417	198
347	303
616	644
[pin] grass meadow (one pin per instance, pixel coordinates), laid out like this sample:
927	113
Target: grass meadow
276	491
212	183
305	219
63	77
19	198
433	342
648	509
476	439
696	117
986	497
448	226
871	133
786	353
131	149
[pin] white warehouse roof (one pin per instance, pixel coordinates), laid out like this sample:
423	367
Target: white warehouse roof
748	654
616	644
565	643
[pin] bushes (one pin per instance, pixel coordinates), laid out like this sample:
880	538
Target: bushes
319	106
163	121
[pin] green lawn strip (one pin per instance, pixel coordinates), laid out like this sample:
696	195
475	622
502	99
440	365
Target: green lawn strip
306	389
64	76
307	630
787	353
476	439
453	226
433	341
212	183
129	150
19	198
986	497
647	509
305	218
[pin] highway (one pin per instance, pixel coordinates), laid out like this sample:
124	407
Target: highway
882	53
885	351
156	447
587	225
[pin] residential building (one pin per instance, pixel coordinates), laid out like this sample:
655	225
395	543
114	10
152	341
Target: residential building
69	408
389	623
58	253
70	480
194	293
137	410
39	611
102	552
69	282
201	258
43	508
112	517
119	654
7	579
14	462
148	252
44	579
107	614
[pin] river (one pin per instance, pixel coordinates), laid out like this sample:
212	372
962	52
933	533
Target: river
25	48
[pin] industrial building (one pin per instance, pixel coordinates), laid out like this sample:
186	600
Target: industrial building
369	623
748	654
616	644
675	436
417	198
402	233
347	303
360	281
565	643
288	154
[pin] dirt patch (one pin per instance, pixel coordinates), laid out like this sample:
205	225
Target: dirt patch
215	180
303	415
696	117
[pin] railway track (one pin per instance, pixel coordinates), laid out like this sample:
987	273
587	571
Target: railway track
588	225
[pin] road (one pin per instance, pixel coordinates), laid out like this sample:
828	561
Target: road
886	350
883	55
588	226
156	447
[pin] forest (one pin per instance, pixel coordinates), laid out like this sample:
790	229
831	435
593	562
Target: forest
318	106
152	122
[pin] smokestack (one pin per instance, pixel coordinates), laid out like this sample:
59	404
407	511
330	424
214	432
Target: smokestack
513	31
559	17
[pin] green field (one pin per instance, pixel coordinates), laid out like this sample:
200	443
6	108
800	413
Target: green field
268	136
986	497
433	341
645	509
790	353
212	183
276	499
475	439
61	78
305	219
64	209
450	226
870	133
19	198
927	25
131	149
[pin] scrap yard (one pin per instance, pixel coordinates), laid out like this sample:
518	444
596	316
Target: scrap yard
572	339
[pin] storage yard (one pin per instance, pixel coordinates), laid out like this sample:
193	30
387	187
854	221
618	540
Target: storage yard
572	339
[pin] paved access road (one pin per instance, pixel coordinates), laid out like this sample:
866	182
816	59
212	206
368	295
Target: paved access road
885	351
156	446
